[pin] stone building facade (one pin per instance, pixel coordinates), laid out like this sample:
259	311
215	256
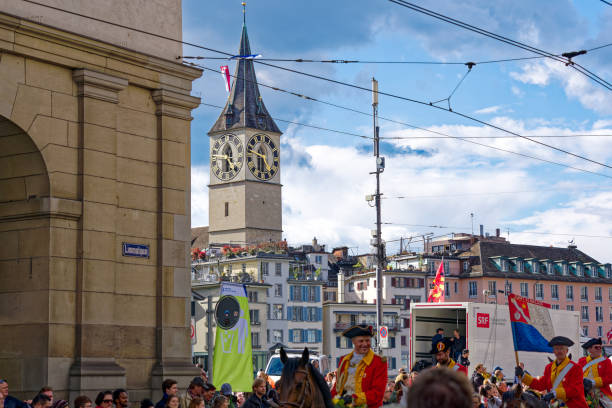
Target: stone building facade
94	154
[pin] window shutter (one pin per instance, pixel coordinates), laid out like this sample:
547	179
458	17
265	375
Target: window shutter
393	301
421	283
319	314
289	312
318	336
304	293
337	341
407	303
304	314
291	335
393	282
318	293
291	292
405	282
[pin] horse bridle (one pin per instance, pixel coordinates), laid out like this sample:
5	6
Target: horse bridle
302	393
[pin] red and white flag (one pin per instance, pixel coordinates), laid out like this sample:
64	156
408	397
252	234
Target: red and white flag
609	335
226	77
436	294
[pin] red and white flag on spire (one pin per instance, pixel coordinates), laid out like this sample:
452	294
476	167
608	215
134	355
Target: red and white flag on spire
226	77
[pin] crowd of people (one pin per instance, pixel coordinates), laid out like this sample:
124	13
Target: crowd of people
361	381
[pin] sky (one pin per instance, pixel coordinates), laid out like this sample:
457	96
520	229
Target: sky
430	184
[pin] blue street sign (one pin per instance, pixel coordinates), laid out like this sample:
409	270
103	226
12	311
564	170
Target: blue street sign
137	250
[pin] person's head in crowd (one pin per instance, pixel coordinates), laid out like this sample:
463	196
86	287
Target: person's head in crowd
120	398
82	401
480	368
48	391
240	398
173	401
41	401
594	347
419	366
315	363
475	400
456	333
486	391
170	387
441	350
226	390
440	387
146	403
209	392
104	399
259	387
499	374
220	401
465	354
196	386
196	403
440	330
60	404
502	386
3	388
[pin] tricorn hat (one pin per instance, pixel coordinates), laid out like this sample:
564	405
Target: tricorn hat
358	330
560	341
442	345
592	342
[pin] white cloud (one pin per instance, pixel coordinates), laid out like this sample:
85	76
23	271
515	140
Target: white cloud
517	91
588	214
489	109
199	195
575	85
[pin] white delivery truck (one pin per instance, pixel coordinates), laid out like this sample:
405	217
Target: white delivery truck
488	334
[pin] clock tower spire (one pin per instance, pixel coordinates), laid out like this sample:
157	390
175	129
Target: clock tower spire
244	192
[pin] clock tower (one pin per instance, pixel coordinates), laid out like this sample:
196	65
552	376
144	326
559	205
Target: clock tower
244	197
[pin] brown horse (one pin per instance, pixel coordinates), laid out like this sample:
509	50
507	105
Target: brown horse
301	385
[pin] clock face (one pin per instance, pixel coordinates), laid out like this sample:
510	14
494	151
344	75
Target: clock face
262	157
226	157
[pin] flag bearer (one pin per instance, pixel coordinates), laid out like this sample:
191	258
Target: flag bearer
598	369
562	379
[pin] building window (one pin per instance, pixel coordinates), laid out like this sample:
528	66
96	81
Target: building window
277	312
278	269
254	315
391	342
351	287
569	292
508	288
252	296
571	308
584	294
277	336
585	331
267	335
255	339
519	266
584	313
598	313
579	271
611	313
278	290
504	265
466	266
226	209
554	307
535	266
264	268
524	289
598	294
403	340
338	340
599	331
318	259
539	291
610	294
447	291
565	269
473	289
492	288
455	287
554	292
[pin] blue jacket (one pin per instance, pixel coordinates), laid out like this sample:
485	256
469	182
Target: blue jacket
12	402
435	339
162	402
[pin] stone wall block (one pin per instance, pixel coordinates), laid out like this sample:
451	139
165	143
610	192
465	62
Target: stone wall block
136	223
98	308
30	102
64	185
175	253
99	138
63	242
98	276
48	76
102	190
137	172
174	201
136	123
37	186
34	242
135	279
99	245
60	158
62	306
99	217
134	310
173	153
138	99
136	147
12	73
137	196
174	177
15	144
64	106
96	85
47	130
13	189
62	273
61	343
99	164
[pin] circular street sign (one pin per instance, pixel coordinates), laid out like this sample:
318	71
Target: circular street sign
192	331
227	312
383	331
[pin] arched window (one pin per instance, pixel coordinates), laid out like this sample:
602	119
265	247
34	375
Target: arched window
261	165
227	151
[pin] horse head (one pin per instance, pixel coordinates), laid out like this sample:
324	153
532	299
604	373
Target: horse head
300	385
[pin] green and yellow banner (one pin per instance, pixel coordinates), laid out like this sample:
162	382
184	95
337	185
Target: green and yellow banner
232	359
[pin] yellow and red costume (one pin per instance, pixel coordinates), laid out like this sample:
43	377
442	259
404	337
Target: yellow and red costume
570	390
366	384
600	372
454	366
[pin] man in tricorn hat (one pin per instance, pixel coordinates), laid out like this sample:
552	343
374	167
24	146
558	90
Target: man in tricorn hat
562	379
362	374
598	369
441	351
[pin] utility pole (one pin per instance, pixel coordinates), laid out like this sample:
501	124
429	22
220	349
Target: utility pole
209	338
380	261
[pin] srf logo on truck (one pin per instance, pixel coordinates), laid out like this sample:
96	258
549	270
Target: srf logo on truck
482	320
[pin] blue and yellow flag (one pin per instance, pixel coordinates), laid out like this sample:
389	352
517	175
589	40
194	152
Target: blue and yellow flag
232	359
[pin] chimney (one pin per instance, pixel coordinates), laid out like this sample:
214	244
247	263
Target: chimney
340	287
497	232
481	230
